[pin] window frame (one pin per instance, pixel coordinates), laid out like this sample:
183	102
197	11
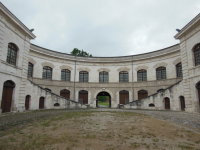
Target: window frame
10	46
46	72
84	72
103	76
196	48
66	70
123	72
161	73
30	64
142	75
177	74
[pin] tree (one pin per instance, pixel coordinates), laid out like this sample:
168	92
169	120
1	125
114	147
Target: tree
102	98
78	52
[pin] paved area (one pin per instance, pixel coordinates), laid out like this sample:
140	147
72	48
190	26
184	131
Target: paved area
10	120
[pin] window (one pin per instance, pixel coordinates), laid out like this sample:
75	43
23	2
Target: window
142	75
161	73
47	73
83	76
12	54
30	69
179	70
103	76
197	55
65	75
123	76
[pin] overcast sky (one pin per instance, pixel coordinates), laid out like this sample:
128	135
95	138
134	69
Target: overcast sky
104	27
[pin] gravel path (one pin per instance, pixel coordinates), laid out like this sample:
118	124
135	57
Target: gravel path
10	120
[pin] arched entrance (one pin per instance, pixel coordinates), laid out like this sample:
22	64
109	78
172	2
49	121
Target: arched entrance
103	94
198	88
123	97
182	102
65	93
167	103
7	96
142	94
41	103
27	102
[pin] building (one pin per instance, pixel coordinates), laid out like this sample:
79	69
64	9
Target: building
32	77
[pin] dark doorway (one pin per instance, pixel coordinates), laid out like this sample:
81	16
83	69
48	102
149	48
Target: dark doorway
123	97
65	93
182	101
198	88
7	96
142	94
83	97
41	103
167	103
27	102
104	94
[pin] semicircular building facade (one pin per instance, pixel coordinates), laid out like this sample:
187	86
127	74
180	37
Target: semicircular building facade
33	77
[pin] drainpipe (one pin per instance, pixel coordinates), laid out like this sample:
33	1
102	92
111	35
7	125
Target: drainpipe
132	80
74	77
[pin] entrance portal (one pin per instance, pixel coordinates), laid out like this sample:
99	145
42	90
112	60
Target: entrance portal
104	100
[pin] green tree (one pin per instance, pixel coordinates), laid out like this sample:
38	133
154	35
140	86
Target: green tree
78	52
102	98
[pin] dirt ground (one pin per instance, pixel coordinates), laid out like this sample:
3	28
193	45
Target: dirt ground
101	130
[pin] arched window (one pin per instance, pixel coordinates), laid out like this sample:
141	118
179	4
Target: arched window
103	76
142	75
56	104
179	70
151	105
12	54
83	76
47	73
30	69
123	76
197	55
161	73
142	94
65	75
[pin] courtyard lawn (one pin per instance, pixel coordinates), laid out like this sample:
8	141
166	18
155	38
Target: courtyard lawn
99	131
103	103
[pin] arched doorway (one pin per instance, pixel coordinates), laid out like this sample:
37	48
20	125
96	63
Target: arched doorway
27	102
41	103
7	96
167	103
182	102
103	94
65	93
83	97
123	97
142	94
198	88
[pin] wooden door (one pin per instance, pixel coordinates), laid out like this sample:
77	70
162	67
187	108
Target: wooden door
41	103
6	99
167	103
199	96
123	97
27	102
65	93
84	96
182	100
142	94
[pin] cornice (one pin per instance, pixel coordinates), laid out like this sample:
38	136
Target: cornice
188	26
16	21
59	55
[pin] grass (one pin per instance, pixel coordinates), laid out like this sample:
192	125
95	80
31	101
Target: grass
103	103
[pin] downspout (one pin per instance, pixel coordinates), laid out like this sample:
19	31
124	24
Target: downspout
74	77
132	80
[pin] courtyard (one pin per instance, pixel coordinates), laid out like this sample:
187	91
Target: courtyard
100	129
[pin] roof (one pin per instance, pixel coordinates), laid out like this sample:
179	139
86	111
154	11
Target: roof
16	20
